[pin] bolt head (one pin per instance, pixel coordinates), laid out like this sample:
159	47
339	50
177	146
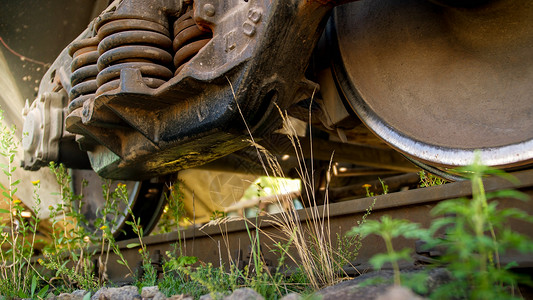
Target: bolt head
209	10
248	28
254	14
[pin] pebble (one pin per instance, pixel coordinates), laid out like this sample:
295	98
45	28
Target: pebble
122	293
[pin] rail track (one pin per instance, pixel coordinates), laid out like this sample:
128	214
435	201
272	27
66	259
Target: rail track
218	243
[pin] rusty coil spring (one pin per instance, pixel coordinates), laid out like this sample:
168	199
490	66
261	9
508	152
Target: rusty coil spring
84	55
133	43
189	38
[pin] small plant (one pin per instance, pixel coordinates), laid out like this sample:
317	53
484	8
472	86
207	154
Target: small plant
348	245
175	276
174	211
428	179
388	229
68	256
149	273
372	194
106	225
17	234
476	234
256	274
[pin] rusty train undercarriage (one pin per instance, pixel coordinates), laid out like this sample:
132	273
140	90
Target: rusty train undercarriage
150	88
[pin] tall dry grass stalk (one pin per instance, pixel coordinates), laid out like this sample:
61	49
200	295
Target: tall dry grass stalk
315	252
312	238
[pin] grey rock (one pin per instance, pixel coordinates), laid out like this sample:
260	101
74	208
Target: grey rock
79	293
438	277
212	296
244	294
160	296
149	292
76	295
122	293
398	293
353	289
349	290
180	297
292	296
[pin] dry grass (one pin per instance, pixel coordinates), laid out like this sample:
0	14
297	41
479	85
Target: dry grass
312	240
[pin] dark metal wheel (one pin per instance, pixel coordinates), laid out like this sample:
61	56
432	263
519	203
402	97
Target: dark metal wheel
146	199
437	82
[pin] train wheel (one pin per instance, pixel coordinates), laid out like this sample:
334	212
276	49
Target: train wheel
146	199
438	81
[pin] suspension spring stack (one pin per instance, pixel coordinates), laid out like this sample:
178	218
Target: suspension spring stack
189	38
84	71
133	43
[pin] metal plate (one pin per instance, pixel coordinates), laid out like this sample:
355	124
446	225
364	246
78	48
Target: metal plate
438	82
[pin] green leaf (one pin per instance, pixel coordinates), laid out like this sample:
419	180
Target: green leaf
132	245
15	183
33	285
187	260
508	194
120	262
4	211
21	294
87	296
43	292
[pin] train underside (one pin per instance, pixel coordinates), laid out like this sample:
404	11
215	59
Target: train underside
151	88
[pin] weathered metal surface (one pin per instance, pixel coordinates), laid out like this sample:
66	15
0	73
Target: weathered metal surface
437	82
217	243
193	72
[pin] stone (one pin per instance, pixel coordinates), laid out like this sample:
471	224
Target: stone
149	291
123	293
180	297
399	293
292	296
212	296
79	293
244	294
76	295
160	296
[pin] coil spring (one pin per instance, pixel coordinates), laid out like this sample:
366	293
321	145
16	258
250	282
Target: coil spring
84	71
189	38
133	43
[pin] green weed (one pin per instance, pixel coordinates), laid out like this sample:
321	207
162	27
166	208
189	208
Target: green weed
174	211
428	179
68	256
18	278
476	234
106	225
